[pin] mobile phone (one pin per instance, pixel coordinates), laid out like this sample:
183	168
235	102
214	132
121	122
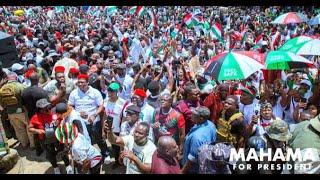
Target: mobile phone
109	120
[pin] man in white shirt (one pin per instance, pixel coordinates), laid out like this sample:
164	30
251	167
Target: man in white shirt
88	105
114	106
132	120
138	149
125	80
84	154
247	103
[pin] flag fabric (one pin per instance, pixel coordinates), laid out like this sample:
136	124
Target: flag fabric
111	10
188	20
259	39
175	31
198	18
206	27
275	39
59	9
140	11
217	31
244	36
154	22
133	10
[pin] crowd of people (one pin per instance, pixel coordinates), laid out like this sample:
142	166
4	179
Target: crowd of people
134	77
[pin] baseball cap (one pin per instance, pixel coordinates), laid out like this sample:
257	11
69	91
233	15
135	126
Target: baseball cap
305	81
42	103
16	67
114	86
61	108
201	111
133	109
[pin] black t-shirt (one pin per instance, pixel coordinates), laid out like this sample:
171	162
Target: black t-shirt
30	96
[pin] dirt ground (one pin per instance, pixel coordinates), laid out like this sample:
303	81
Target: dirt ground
30	163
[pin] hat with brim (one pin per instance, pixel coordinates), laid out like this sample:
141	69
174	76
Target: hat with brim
278	130
133	109
249	90
42	103
66	133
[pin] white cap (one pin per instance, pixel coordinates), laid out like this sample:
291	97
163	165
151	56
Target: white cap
307	82
264	43
16	67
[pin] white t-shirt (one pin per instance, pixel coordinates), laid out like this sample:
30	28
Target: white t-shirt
126	85
289	113
126	129
144	153
277	110
88	102
82	149
114	109
247	111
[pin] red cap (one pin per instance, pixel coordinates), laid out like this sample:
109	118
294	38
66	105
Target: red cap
82	62
28	73
140	92
83	76
74	70
59	69
29	34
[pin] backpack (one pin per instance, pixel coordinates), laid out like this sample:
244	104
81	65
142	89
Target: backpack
8	95
224	129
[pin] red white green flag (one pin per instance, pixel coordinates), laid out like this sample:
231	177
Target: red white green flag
217	31
140	11
133	10
175	31
188	20
154	22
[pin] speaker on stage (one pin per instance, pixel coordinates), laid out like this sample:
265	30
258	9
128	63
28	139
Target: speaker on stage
8	50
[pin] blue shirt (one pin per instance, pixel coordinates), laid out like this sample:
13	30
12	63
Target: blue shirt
205	133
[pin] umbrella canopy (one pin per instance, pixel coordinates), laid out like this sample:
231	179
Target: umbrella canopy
281	60
315	20
235	65
310	47
290	17
295	42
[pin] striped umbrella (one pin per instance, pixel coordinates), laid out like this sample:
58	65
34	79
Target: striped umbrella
235	65
315	20
310	47
290	17
292	43
281	60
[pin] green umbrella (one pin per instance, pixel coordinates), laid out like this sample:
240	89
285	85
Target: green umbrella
292	44
281	60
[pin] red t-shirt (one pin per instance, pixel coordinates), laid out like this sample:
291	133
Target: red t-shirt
39	120
215	105
161	166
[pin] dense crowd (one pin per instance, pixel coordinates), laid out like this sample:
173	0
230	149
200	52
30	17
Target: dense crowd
135	76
